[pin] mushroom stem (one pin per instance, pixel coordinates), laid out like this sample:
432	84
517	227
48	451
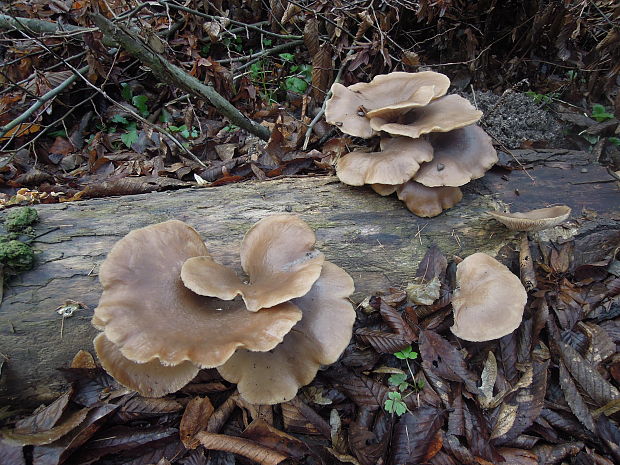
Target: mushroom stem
526	265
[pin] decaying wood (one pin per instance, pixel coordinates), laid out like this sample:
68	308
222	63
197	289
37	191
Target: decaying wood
374	238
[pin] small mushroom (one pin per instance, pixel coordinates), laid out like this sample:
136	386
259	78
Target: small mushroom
489	300
428	201
460	156
318	339
278	255
441	115
533	220
395	92
384	189
397	162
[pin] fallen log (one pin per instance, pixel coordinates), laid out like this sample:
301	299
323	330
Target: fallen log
374	238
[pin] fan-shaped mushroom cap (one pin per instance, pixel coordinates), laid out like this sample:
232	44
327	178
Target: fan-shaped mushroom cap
428	201
441	115
460	156
149	314
489	300
396	163
278	255
533	220
386	93
151	379
318	339
384	189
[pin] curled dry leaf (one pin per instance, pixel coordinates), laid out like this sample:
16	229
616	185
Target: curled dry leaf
47	436
195	419
300	418
245	447
261	432
44	418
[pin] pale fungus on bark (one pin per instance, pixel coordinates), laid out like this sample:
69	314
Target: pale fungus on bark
489	300
427	137
533	220
168	308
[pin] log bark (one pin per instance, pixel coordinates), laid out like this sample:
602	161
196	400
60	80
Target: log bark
374	238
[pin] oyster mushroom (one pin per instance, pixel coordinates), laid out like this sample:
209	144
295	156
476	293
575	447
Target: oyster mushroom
397	162
395	92
489	300
278	255
157	333
428	201
318	339
533	220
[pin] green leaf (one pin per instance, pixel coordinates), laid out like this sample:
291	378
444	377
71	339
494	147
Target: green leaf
267	42
119	119
600	114
139	102
287	56
185	133
406	353
131	136
295	84
165	116
126	92
615	141
395	404
397	379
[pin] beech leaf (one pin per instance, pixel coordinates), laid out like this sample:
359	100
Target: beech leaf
414	434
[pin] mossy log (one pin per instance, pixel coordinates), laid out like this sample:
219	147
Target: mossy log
374	238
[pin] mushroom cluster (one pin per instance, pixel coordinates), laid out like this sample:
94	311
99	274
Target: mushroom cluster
169	309
429	144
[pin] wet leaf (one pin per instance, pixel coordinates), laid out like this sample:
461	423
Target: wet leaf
245	447
610	435
168	451
525	407
47	436
551	454
414	436
266	435
396	322
588	378
443	358
221	415
57	452
195	418
145	407
11	454
518	456
574	399
433	265
383	342
125	438
362	390
300	418
45	418
367	446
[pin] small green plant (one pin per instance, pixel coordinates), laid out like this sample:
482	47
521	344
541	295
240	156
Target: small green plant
230	127
599	113
544	99
399	380
185	131
395	404
615	141
139	101
130	136
406	353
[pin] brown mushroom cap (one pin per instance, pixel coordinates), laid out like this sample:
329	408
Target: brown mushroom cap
384	189
151	379
278	255
533	220
397	162
460	156
396	91
318	339
428	201
147	312
441	115
489	300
